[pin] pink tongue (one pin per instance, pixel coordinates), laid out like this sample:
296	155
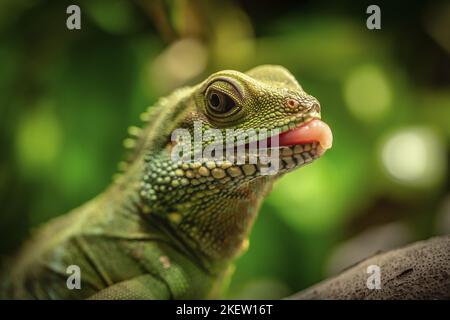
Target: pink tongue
314	130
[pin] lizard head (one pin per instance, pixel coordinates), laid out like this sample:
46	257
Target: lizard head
253	124
221	125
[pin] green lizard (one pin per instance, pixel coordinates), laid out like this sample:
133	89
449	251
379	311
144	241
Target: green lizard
171	229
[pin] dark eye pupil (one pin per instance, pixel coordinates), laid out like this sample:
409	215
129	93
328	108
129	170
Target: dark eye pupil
220	102
214	100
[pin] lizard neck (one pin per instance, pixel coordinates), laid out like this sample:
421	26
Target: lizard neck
219	225
211	217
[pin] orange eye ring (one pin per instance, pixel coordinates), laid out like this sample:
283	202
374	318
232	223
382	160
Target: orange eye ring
292	103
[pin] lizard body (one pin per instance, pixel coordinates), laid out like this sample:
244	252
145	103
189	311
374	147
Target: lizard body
169	229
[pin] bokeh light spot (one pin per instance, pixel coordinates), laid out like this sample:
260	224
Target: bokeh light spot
38	140
415	156
304	191
180	62
367	93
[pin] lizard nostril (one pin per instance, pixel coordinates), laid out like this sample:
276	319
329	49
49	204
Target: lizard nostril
315	107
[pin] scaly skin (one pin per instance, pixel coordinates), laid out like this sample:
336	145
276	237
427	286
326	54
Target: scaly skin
163	229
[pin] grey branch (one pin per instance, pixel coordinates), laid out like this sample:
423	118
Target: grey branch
418	271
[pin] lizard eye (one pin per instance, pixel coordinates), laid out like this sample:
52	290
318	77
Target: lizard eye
219	102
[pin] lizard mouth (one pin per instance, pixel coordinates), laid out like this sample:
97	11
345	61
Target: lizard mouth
296	147
303	144
313	131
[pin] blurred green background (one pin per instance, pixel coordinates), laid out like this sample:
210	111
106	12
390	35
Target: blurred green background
67	98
